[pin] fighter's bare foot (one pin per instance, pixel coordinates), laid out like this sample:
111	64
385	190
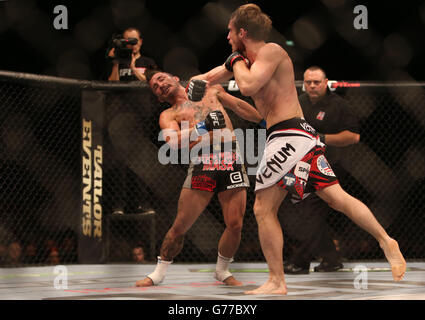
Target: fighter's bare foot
231	281
395	259
270	287
146	282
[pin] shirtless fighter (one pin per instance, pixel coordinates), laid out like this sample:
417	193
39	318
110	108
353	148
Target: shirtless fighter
293	159
218	172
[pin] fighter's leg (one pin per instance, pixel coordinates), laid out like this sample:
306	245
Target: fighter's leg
266	206
190	206
360	214
233	204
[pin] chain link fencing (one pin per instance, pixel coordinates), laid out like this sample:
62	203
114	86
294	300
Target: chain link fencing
39	160
41	175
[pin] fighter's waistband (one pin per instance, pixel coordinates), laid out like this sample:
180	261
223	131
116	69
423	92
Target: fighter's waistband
293	123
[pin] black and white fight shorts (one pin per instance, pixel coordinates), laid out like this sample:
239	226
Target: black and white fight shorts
218	170
294	159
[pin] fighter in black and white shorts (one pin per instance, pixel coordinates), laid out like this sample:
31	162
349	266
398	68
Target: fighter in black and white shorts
294	159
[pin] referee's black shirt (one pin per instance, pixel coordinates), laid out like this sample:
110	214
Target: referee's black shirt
332	114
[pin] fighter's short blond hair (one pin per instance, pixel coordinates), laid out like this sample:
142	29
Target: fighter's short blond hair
250	17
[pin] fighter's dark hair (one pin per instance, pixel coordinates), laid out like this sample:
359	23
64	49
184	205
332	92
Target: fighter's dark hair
149	73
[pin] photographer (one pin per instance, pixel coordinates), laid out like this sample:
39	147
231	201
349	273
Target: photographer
128	63
123	188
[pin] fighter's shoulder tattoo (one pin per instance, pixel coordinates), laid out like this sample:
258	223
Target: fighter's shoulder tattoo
200	111
183	105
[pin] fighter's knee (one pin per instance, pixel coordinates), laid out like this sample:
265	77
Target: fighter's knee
234	225
259	210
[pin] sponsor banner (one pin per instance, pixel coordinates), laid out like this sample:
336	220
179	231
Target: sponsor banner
91	229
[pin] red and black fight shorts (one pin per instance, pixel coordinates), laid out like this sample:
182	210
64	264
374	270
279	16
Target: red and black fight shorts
219	169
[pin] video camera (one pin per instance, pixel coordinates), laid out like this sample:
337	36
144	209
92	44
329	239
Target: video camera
121	53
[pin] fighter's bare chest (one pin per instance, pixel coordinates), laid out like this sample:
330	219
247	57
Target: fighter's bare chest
195	111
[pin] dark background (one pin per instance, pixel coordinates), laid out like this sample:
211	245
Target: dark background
184	40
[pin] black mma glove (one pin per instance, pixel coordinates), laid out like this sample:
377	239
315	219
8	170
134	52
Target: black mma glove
214	120
235	56
196	89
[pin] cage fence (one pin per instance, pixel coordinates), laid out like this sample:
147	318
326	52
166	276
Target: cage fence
41	175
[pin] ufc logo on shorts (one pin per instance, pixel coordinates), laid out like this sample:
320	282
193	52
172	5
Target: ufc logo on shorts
213	116
236	177
288	180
